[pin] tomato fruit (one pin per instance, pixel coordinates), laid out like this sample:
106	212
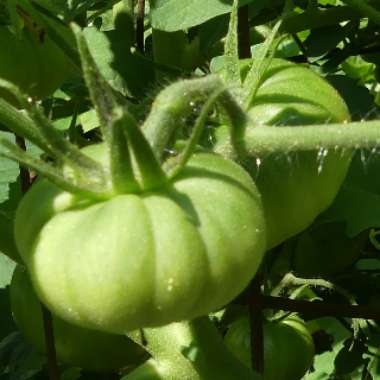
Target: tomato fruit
145	259
326	250
295	188
88	349
36	65
288	347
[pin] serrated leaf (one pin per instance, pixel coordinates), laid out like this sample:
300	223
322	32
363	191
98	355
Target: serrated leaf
173	15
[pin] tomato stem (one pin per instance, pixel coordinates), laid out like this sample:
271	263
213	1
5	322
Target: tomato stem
107	106
15	153
177	101
40	131
263	140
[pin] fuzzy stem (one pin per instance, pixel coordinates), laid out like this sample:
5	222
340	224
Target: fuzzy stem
40	131
17	121
15	153
176	102
172	106
264	140
107	105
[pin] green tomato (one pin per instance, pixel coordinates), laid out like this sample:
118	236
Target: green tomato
139	260
36	65
288	347
88	349
326	250
295	188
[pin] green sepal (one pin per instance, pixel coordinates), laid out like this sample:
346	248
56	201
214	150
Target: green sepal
152	175
231	50
260	63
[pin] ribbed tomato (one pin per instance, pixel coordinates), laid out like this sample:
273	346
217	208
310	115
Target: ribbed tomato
144	259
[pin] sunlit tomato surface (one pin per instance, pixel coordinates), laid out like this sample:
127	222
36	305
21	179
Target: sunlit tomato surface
144	259
295	187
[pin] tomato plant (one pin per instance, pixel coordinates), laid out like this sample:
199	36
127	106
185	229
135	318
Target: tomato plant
89	349
204	159
287	343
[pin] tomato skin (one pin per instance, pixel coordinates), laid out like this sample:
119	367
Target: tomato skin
297	187
41	66
148	259
88	349
288	347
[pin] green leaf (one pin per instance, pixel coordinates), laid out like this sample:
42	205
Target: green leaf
358	201
324	362
7	267
127	72
173	15
9	171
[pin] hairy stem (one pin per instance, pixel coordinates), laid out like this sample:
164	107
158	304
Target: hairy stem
176	102
264	140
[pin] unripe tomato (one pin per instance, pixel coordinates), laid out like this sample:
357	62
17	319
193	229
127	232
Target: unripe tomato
295	187
145	259
36	65
288	347
88	349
